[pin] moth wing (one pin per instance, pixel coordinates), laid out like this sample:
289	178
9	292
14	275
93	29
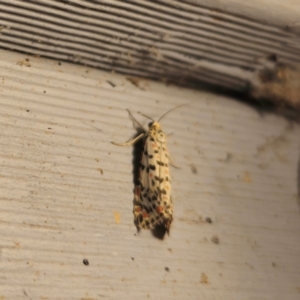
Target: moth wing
155	181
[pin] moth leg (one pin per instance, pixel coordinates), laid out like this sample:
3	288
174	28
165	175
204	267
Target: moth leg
131	142
168	225
135	122
172	163
170	160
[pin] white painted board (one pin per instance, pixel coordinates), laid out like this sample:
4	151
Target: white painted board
66	191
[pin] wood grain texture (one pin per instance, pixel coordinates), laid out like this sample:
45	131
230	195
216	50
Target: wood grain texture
208	42
66	191
277	13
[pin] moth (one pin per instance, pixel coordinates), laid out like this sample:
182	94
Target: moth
152	195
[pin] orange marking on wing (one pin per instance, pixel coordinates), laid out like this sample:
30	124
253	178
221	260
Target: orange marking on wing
150	175
138	191
153	145
137	209
145	215
159	209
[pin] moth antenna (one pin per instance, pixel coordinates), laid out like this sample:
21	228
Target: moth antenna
171	110
146	116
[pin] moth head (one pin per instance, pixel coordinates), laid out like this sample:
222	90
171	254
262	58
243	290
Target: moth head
154	125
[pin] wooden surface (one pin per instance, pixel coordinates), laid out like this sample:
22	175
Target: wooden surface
212	42
283	14
66	191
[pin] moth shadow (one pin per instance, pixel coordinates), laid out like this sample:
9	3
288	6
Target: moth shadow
159	232
298	180
137	153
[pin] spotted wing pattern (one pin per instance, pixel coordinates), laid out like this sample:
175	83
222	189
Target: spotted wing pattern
153	203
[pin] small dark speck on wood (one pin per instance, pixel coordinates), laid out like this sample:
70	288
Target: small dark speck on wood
193	169
111	83
215	239
92	126
85	262
208	220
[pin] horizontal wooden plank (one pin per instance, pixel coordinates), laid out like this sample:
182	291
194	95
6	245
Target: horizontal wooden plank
212	42
66	191
275	13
